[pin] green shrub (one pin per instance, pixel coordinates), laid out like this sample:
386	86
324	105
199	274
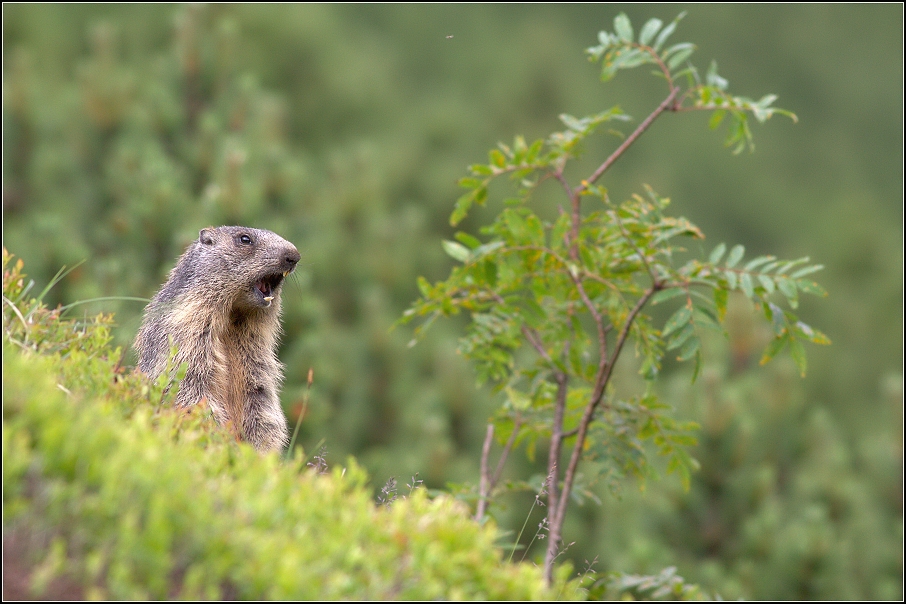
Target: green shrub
552	302
108	494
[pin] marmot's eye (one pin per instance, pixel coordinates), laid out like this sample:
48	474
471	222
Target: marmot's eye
244	239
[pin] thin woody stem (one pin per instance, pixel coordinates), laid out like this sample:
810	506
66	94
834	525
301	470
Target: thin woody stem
506	451
557	512
668	103
598	319
488	482
664	106
553	457
605	371
484	487
559	176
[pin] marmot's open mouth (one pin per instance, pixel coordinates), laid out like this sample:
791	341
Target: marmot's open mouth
267	284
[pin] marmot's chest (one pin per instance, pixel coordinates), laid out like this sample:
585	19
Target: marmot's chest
246	365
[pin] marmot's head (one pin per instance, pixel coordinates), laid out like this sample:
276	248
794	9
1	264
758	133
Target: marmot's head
249	264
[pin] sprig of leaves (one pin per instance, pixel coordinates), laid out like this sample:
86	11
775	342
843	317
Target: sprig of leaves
621	50
761	280
522	161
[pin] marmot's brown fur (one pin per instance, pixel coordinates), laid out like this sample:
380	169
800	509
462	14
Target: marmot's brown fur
221	308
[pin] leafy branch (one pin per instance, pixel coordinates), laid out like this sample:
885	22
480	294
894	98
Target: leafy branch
574	291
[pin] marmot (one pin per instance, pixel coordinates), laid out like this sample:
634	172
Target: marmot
221	307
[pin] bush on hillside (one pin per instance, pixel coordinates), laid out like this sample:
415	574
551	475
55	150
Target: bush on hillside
107	493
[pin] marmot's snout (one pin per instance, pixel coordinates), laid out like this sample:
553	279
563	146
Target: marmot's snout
290	258
268	284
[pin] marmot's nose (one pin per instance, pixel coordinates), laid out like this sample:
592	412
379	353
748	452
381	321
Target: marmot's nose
291	257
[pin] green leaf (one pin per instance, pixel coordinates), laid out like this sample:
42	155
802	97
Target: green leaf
608	72
810	287
775	346
679	52
571	122
490	272
534	230
519	400
807	271
481	195
697	368
633	58
735	255
783	267
731	279
717	253
756	262
461	208
788	288
705	317
455	250
716	118
468	240
519	148
424	287
767	283
649	369
762	110
798	354
487	248
679	338
778	320
649	30
812	335
516	225
713	79
667	31
720	302
767	268
739	133
469	182
745	283
622	27
679	319
667	294
533	151
464	203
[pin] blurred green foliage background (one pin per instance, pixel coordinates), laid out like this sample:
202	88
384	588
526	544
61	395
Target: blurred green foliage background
127	128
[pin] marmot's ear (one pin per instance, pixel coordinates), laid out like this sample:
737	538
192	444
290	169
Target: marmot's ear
204	236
